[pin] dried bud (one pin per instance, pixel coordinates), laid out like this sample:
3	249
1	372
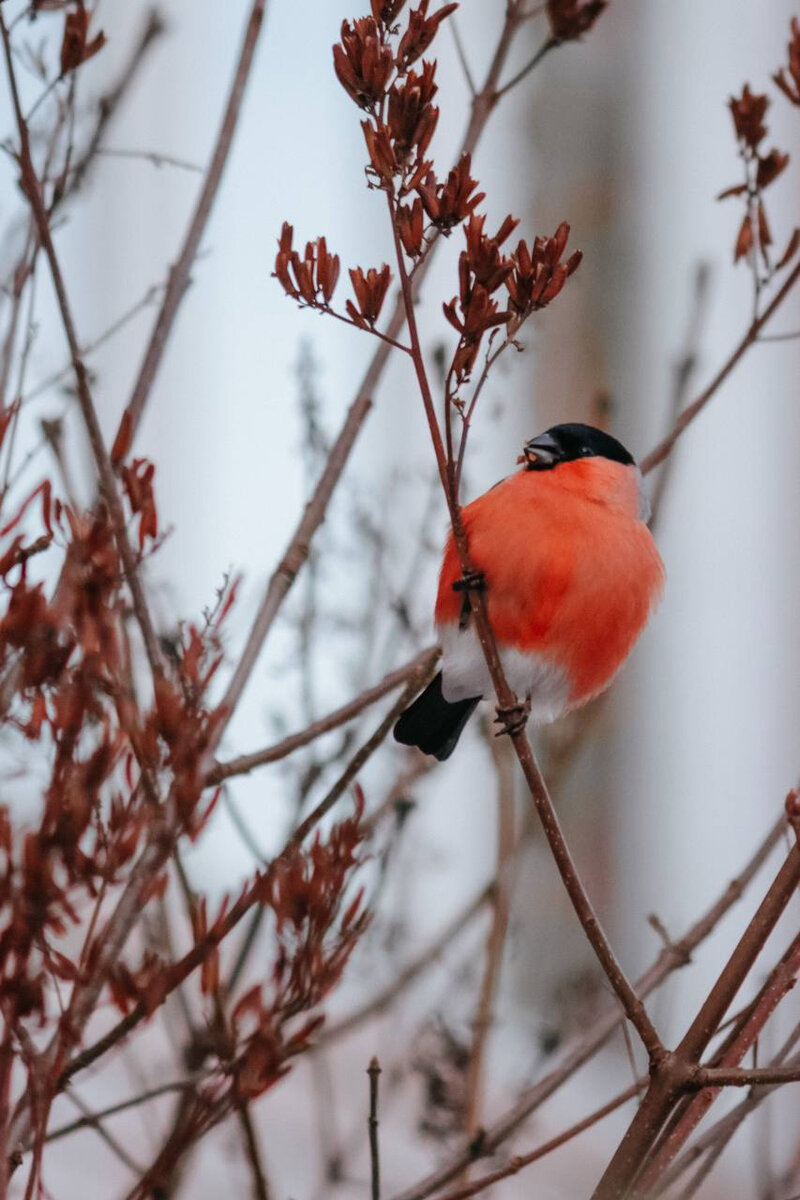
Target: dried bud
370	290
411	227
312	279
744	242
421	31
137	479
363	63
748	114
386	12
482	259
75	46
790	84
411	117
770	167
537	274
570	19
790	251
381	153
450	203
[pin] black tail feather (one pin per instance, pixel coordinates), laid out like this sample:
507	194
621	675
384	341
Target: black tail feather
433	723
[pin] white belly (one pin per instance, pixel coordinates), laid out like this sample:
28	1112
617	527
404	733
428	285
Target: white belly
464	674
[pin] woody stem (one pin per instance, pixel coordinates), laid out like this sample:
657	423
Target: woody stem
630	1001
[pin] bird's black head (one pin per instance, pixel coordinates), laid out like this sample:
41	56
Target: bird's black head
566	443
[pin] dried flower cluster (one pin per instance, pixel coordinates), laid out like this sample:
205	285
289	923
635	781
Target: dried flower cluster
761	169
380	66
128	779
531	277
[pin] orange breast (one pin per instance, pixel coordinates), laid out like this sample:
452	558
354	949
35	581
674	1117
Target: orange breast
572	572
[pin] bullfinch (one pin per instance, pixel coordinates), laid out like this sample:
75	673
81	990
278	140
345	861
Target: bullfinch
571	574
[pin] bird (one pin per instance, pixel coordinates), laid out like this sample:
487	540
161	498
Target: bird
571	575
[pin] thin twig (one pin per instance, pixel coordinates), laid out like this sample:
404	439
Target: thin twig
340	716
751	336
496	938
404	978
670	958
544	49
179	275
253	1152
519	1161
177	1085
462	57
374	1072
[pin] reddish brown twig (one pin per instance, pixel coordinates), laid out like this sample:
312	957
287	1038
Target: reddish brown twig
671	958
520	1161
725	1069
675	1078
664	447
340	716
496	938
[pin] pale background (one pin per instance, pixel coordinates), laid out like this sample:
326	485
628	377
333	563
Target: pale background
627	136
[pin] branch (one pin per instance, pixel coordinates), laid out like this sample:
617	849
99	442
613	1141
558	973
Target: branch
677	954
340	716
384	999
664	447
666	1089
746	1077
179	275
524	1160
725	1067
544	49
374	1072
717	1136
32	190
496	938
204	946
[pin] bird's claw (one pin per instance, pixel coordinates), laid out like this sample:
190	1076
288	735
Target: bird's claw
513	719
471	581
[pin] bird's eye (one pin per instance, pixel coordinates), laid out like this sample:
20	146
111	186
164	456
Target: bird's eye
585	451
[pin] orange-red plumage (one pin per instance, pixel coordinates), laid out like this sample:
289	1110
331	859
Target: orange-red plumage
572	572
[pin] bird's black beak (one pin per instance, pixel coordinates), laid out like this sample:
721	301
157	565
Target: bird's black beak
541	453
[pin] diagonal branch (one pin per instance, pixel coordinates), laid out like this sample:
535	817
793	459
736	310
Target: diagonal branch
179	275
750	337
340	716
671	958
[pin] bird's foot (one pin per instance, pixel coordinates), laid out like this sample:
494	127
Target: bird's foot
513	719
471	581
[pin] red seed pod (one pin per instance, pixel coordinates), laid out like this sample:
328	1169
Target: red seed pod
788	78
363	63
76	48
570	19
748	112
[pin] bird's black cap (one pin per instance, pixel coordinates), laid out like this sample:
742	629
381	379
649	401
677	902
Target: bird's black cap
566	443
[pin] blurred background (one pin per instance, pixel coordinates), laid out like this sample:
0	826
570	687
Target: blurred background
668	786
